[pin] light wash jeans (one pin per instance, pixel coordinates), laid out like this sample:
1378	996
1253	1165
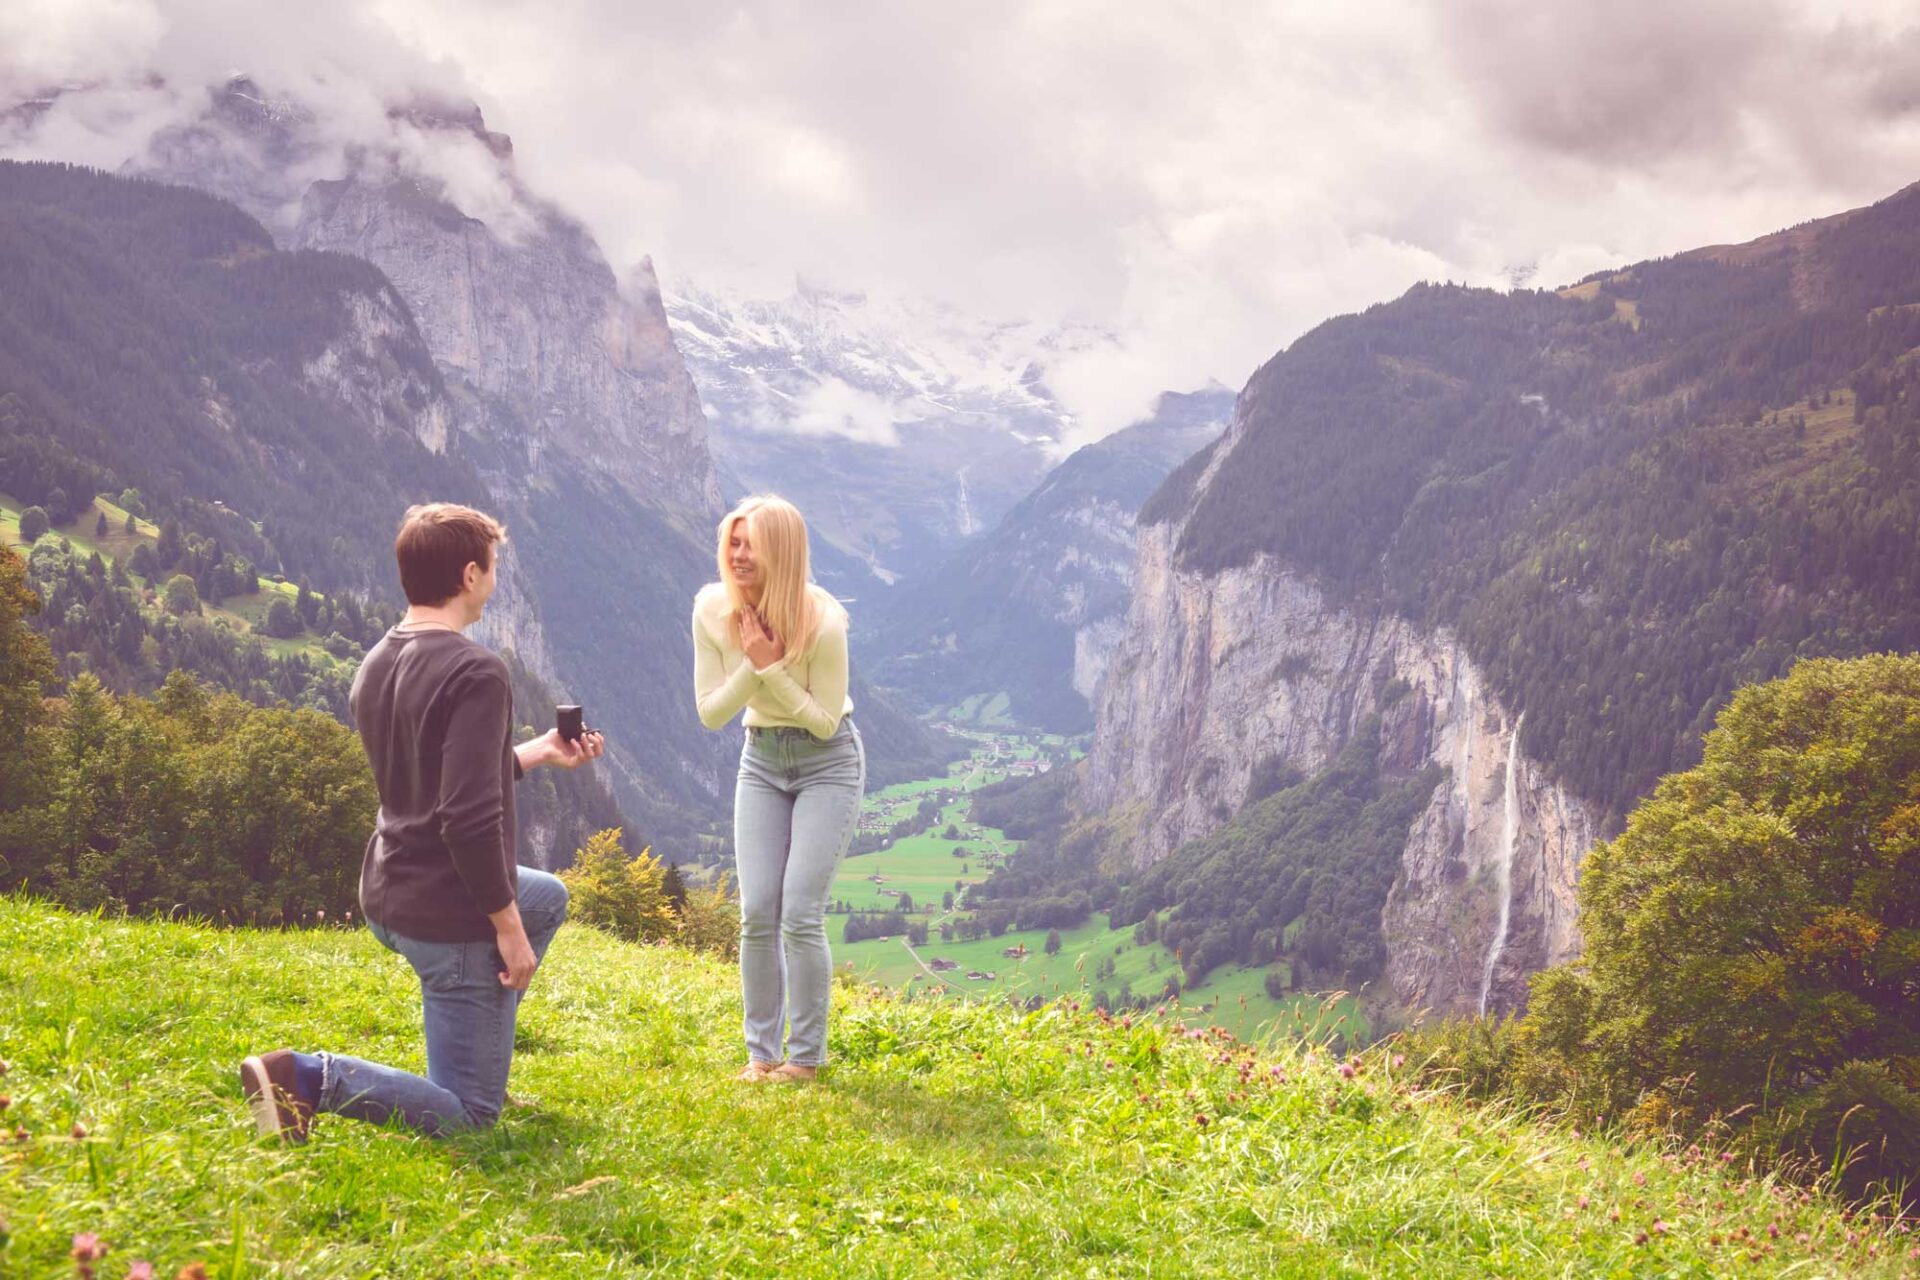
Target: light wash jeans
794	812
469	1025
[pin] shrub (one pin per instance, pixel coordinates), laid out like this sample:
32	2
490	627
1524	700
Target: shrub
710	920
34	525
1862	1122
625	896
180	596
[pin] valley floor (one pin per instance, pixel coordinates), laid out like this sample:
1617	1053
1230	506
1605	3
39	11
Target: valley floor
1096	963
949	1138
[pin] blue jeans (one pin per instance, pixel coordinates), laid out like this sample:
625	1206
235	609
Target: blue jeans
794	812
469	1019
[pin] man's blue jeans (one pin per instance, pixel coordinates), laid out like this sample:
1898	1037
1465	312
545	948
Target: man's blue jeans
469	1026
794	812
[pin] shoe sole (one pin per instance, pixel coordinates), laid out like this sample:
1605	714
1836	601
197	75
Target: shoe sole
258	1088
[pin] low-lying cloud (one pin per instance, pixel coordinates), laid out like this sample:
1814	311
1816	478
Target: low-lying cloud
1205	178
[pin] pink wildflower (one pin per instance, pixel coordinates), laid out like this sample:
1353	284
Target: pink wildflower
87	1247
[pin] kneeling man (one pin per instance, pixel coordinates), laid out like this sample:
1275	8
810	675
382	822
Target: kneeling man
440	884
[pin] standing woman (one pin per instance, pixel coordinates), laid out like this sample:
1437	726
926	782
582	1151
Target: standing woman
768	640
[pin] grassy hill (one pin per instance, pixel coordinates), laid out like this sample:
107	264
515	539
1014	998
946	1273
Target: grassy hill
948	1139
244	614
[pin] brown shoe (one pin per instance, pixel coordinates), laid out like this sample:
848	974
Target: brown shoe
278	1106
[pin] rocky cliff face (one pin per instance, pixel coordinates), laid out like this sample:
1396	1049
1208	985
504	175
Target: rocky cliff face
1217	674
359	367
572	372
557	381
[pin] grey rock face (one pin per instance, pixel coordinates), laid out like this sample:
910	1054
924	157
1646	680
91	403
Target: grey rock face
581	374
359	368
1216	674
560	382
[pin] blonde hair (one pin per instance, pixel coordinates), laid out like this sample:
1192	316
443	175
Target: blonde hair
792	607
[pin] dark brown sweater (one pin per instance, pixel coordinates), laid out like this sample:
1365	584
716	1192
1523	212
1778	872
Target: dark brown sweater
435	713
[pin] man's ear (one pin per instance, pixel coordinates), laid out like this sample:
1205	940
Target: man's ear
470	577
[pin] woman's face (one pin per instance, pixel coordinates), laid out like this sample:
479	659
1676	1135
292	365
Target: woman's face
740	558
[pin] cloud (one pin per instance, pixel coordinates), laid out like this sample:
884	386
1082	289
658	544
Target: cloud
834	408
1206	178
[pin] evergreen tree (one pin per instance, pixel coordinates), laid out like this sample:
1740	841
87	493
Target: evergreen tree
100	526
26	666
1053	942
169	548
674	887
281	621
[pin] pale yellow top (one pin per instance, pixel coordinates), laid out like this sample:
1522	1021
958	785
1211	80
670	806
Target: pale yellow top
808	693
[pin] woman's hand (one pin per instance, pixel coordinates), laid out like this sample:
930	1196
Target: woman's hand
761	646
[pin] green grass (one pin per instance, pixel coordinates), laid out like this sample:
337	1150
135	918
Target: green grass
1231	997
983	710
948	1138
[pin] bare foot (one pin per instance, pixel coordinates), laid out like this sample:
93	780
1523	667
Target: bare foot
755	1072
792	1073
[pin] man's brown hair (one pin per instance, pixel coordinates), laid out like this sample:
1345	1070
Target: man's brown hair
436	543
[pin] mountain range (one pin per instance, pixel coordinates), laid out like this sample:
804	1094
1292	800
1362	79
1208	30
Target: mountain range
903	428
551	385
1535	539
1022	619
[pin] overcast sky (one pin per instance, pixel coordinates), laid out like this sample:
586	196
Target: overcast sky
1208	179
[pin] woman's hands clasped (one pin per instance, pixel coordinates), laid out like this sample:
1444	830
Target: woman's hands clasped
758	642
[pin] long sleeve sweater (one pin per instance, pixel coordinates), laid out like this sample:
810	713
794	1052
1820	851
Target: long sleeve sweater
435	713
808	693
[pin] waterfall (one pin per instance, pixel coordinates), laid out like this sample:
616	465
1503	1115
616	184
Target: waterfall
1509	834
967	525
